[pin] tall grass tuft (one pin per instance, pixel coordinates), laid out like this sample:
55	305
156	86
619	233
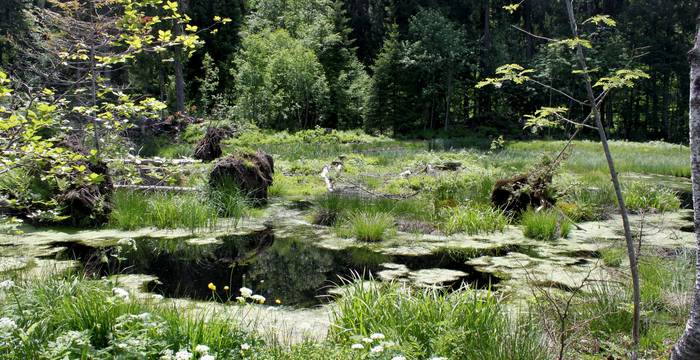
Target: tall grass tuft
133	210
473	219
431	323
640	197
371	227
544	225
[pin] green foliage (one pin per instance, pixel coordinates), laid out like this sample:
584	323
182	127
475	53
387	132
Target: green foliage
544	225
613	256
640	197
385	103
430	323
76	318
134	210
280	83
371	226
473	219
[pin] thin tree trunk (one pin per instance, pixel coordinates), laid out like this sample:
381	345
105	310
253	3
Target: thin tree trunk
688	347
616	183
448	99
93	80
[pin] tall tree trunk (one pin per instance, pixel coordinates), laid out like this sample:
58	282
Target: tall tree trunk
688	347
93	79
616	183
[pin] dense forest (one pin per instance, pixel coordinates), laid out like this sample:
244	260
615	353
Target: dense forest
406	68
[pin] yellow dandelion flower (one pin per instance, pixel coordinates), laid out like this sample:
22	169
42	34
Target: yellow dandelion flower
278	301
212	287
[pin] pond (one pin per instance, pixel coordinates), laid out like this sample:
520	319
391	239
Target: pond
292	269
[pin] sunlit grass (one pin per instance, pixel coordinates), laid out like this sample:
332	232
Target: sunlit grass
132	210
431	323
473	219
544	225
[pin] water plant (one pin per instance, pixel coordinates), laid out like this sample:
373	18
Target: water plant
641	197
473	219
370	226
133	210
544	225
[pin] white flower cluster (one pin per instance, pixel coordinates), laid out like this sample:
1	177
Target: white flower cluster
200	352
7	327
127	242
376	345
6	285
121	293
247	293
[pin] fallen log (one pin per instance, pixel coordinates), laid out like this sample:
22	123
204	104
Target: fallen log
156	188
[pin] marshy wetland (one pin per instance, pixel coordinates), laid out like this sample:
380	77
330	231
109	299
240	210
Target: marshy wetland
407	256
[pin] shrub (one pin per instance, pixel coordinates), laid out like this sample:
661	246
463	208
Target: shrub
640	197
370	227
473	219
544	225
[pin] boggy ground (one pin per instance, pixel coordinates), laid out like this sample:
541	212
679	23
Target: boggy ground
408	226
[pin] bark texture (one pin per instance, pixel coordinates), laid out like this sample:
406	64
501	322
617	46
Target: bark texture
250	173
595	110
688	347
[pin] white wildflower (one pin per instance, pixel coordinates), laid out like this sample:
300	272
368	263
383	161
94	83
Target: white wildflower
438	358
201	349
246	293
183	355
120	293
7	284
245	346
367	340
240	299
166	355
377	336
127	242
207	357
357	346
7	326
258	299
399	357
377	349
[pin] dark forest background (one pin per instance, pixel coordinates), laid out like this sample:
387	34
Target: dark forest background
407	68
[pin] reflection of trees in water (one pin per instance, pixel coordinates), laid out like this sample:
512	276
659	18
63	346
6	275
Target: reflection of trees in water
292	271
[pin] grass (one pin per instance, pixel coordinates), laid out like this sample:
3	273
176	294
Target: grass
640	197
431	323
329	208
544	225
473	219
79	319
371	226
587	156
132	210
